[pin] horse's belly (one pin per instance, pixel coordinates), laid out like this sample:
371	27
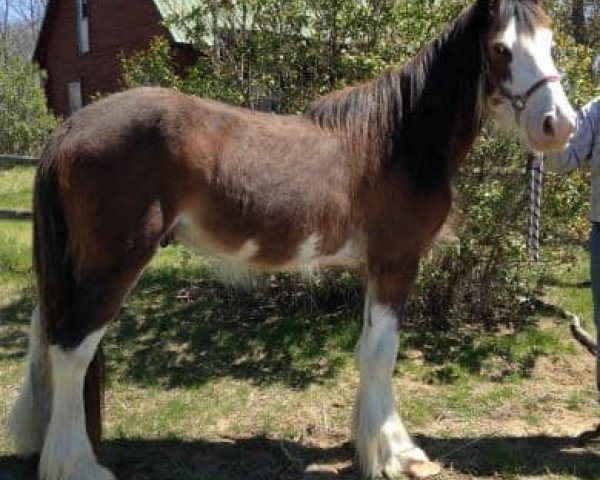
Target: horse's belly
305	254
309	254
188	233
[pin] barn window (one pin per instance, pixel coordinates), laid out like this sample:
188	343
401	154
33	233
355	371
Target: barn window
83	28
75	97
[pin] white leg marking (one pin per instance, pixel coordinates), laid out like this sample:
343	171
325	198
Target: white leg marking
67	452
383	444
30	415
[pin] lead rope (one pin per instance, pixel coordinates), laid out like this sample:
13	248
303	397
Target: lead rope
535	206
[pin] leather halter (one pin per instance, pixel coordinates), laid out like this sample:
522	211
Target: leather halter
519	102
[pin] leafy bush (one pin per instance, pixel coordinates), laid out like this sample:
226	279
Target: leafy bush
479	278
289	51
24	118
154	66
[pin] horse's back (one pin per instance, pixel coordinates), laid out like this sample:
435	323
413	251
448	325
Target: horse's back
262	187
153	124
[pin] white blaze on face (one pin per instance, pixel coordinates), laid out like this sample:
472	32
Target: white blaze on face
548	119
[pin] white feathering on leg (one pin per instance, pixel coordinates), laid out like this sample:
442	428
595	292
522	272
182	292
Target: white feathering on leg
382	442
67	452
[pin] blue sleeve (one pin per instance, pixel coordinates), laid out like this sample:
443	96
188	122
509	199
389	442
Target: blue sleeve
579	150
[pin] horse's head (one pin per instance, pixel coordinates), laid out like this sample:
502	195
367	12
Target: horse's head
523	83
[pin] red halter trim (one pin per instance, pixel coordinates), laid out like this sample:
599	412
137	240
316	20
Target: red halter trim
519	102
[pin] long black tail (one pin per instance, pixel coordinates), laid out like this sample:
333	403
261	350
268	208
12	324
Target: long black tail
56	281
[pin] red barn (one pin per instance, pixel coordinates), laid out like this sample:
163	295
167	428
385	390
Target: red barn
81	41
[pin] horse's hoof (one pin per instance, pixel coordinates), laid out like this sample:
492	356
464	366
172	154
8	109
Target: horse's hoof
414	465
419	469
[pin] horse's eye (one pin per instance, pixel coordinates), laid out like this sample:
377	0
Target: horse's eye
501	49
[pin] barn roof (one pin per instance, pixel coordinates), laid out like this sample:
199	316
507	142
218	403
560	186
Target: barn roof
168	8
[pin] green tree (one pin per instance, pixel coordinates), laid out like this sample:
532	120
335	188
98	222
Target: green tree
153	66
290	51
24	118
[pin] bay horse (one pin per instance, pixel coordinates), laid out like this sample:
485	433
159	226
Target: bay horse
362	177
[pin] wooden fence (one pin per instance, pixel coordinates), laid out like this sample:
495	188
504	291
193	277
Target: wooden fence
9	161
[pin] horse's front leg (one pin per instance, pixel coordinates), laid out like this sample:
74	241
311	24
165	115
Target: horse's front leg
382	442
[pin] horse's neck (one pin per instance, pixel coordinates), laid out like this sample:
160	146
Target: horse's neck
441	114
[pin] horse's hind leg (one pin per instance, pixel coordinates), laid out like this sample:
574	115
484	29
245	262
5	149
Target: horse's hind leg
68	453
30	415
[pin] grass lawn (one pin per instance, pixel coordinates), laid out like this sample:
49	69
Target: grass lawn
209	382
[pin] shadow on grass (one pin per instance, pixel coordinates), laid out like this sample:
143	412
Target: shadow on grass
181	327
259	457
557	282
183	332
506	352
14	324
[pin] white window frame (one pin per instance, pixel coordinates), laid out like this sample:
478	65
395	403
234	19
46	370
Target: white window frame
75	96
83	26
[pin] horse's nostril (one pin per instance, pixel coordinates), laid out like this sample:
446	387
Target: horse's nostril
548	127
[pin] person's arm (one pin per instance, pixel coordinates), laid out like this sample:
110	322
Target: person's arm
579	149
